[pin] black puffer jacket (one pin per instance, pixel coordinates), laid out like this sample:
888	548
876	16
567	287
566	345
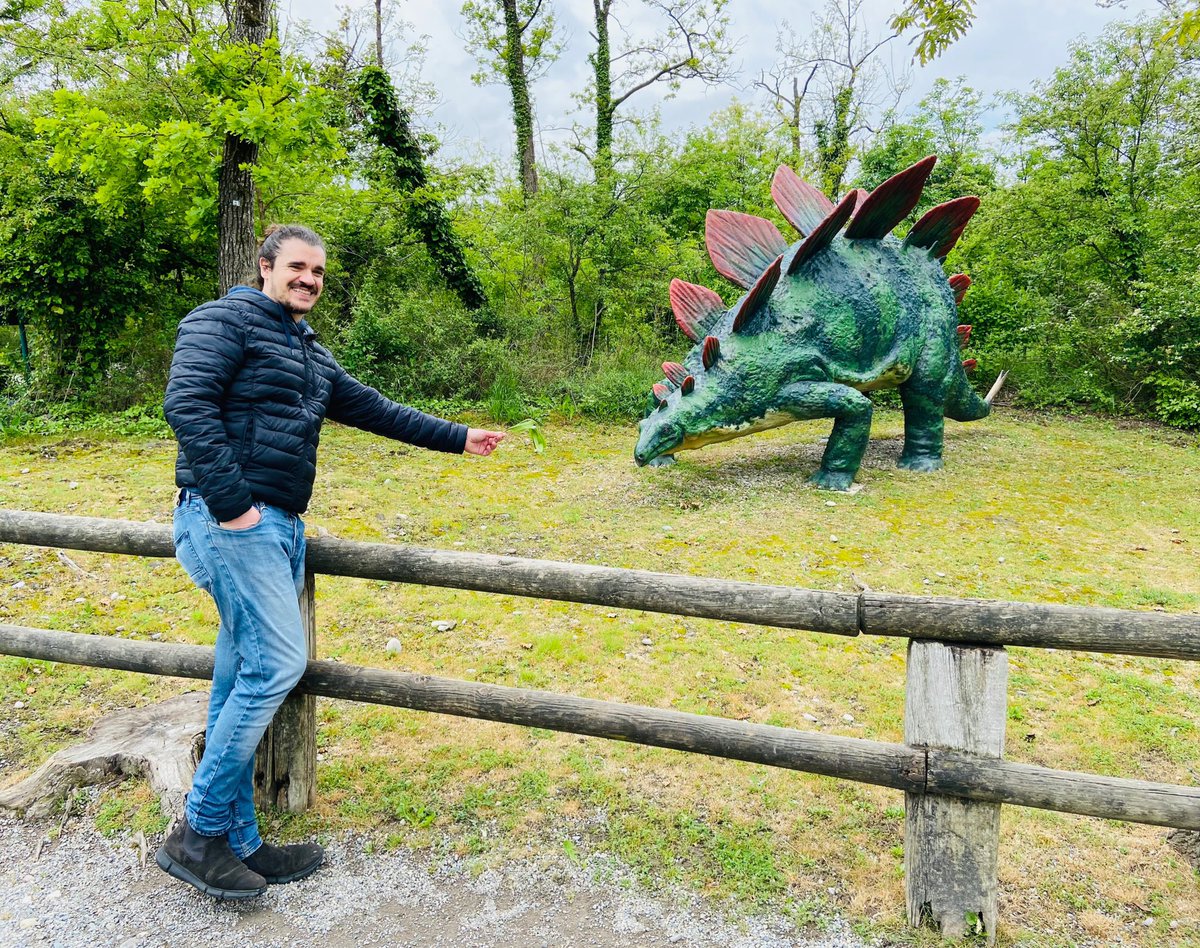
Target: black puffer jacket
248	391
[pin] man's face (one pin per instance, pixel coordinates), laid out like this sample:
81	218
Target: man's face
297	277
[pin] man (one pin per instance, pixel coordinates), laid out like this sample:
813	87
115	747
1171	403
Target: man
248	391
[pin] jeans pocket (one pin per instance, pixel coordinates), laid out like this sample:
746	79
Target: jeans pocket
189	559
262	516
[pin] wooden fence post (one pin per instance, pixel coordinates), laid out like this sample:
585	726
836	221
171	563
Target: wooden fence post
285	767
956	698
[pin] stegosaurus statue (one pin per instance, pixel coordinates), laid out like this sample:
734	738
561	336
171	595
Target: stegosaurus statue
824	320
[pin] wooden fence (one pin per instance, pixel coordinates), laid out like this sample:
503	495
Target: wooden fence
950	766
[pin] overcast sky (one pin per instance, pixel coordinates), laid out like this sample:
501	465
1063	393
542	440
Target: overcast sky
1012	44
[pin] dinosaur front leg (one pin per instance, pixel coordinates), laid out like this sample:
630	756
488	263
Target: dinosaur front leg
851	411
923	425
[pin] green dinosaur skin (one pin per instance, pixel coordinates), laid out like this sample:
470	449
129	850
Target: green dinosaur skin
859	315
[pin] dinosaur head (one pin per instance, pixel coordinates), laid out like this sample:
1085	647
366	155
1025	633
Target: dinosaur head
677	419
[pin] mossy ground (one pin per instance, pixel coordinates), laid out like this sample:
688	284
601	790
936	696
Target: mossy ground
1029	508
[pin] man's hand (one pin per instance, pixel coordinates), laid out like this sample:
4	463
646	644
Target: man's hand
244	522
482	442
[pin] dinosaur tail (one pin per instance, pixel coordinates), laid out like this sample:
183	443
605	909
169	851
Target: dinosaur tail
962	402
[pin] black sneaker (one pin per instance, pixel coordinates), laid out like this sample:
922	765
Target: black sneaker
280	864
208	863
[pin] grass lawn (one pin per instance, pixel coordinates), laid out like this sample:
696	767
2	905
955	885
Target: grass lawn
1039	509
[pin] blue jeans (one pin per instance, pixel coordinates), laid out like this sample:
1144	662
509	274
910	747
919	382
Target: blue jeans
255	577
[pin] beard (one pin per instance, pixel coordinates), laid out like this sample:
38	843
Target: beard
305	306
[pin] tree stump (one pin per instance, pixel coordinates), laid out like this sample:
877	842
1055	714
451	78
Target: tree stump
161	742
285	766
956	699
1187	844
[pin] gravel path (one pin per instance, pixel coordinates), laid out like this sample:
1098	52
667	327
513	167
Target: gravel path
84	891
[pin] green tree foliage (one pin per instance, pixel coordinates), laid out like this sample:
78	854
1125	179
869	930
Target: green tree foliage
937	24
948	123
1089	261
123	110
79	276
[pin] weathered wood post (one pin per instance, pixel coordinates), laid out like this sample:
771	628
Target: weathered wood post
956	699
285	767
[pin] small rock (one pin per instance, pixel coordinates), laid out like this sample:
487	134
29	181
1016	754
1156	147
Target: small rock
156	636
18	705
810	717
830	503
647	642
73	485
610	615
444	625
1148	922
833	538
394	646
25	470
80	599
848	718
19	585
1001	559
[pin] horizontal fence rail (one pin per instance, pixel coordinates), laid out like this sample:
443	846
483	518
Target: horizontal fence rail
898	766
967	621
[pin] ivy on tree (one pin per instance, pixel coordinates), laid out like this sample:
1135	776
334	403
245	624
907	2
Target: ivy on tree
400	155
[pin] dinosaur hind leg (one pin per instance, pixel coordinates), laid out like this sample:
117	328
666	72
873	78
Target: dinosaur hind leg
851	411
923	425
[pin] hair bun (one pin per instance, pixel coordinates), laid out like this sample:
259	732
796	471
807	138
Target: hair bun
271	228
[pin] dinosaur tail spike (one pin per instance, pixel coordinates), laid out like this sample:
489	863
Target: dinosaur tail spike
996	386
969	365
688	386
823	233
938	231
802	205
661	391
712	352
890	203
964	336
697	308
741	246
959	284
675	373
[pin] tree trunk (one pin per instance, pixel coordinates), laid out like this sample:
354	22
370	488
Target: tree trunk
235	215
518	83
235	189
795	124
379	33
602	63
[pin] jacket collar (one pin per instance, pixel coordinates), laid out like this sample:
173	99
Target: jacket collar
257	297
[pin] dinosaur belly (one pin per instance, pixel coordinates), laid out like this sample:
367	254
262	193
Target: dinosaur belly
775	419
